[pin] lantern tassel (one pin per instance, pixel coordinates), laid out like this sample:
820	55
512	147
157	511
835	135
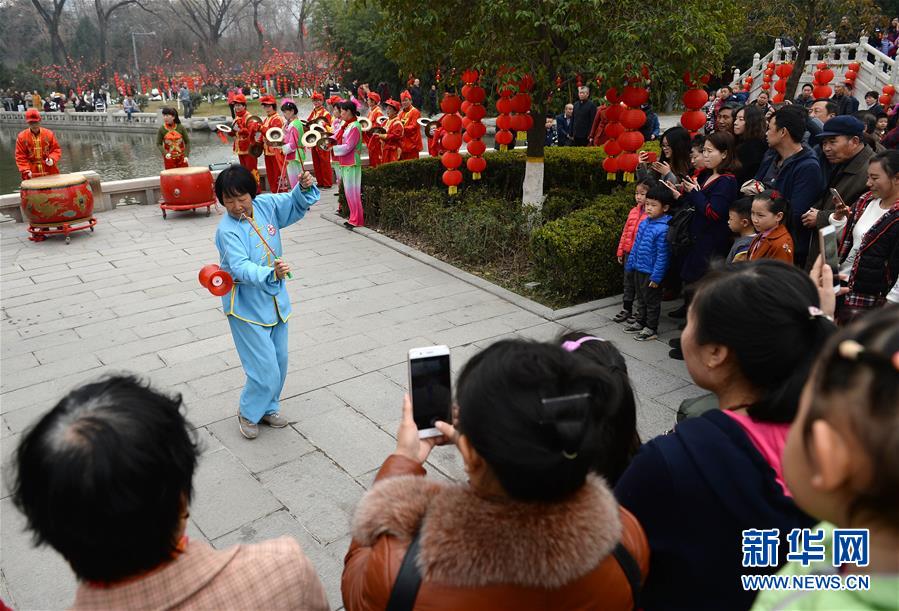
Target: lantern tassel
476	176
453	190
503	148
628	177
610	176
521	135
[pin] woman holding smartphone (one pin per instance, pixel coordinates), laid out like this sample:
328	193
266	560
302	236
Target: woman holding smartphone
869	246
532	528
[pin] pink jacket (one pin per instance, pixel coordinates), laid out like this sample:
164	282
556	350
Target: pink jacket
629	233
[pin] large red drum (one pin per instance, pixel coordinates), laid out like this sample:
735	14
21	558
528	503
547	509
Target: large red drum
184	186
57	199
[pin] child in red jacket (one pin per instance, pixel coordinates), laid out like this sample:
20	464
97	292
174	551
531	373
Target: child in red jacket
626	243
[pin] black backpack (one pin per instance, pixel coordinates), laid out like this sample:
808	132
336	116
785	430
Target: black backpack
679	237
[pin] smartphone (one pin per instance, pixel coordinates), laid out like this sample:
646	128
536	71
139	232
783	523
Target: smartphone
835	196
429	386
827	241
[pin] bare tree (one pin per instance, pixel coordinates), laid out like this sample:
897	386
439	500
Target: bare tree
208	20
52	17
103	16
257	26
302	12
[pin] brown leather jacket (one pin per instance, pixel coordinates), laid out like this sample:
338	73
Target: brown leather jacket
478	553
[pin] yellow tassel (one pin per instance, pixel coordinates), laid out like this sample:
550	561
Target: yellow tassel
610	176
628	177
453	190
503	148
521	136
476	176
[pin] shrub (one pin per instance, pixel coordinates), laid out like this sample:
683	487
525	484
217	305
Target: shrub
575	255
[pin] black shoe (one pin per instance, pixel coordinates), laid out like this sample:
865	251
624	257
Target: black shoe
681	312
676	354
674	343
348	226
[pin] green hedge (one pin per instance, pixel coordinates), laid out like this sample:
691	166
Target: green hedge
575	255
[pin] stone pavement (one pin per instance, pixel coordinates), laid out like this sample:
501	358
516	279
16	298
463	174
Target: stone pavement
127	298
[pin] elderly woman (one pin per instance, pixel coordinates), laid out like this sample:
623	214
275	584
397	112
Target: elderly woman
753	331
106	479
532	528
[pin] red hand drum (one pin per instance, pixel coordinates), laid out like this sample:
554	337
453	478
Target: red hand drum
216	280
61	198
186	186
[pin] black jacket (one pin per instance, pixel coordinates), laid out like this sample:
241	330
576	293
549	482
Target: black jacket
582	118
877	262
563	128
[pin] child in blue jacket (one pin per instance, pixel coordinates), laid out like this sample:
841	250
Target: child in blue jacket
648	262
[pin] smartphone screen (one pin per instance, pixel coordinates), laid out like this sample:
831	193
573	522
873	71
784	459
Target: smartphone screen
429	379
827	237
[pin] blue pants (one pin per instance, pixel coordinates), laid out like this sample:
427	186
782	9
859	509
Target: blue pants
263	354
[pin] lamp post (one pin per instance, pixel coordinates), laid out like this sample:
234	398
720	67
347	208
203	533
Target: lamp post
134	46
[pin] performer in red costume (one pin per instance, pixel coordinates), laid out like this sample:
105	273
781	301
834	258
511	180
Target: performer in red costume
371	141
409	117
244	134
274	158
393	139
321	160
37	151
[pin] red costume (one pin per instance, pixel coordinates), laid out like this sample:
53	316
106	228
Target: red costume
392	142
244	135
274	157
321	160
32	151
371	140
412	144
435	144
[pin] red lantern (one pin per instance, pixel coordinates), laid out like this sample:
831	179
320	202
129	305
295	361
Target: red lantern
692	120
784	70
778	98
821	65
476	112
822	91
633	118
611	148
452	179
824	76
476	147
610	165
855	66
503	137
451	160
627	163
889	89
630	141
450	103
504	122
521	103
613	130
695	98
465	106
766	86
770	65
749	80
613	113
466	123
851	75
451	123
780	85
451	141
476	165
634	96
504	105
612	95
476	94
885	99
519	123
477	130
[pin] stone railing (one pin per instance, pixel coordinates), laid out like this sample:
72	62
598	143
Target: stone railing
114	120
876	70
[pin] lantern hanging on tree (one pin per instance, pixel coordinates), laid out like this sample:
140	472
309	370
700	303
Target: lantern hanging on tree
693	118
504	119
475	130
452	140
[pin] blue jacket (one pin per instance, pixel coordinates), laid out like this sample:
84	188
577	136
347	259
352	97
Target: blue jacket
801	181
694	491
563	129
258	297
651	253
708	227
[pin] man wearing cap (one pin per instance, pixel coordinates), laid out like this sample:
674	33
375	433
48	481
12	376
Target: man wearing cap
409	117
846	170
37	151
244	135
321	160
274	158
846	102
373	143
392	139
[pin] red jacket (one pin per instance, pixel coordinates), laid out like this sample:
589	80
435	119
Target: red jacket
390	147
32	151
411	130
777	244
634	218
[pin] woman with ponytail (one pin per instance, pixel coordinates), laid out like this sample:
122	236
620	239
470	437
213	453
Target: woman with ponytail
753	332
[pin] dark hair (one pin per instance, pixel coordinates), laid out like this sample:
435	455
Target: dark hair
791	119
809	85
888	160
103	477
872	94
724	142
347	105
538	450
622	440
172	113
678	139
647	181
754	118
830	106
867	118
288	105
742	206
760	311
234	181
777	203
872	378
697	142
732	106
661	194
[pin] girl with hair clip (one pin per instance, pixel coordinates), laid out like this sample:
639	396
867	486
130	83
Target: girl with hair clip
348	153
533	528
294	153
772	240
841	461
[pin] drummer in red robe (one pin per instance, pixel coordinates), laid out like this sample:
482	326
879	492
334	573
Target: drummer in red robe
409	117
321	160
371	141
37	151
274	158
392	140
245	134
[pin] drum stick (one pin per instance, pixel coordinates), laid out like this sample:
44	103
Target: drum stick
259	233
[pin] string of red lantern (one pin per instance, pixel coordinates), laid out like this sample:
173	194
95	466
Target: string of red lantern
851	74
504	119
694	99
632	118
886	96
452	141
783	72
521	120
612	130
475	129
823	75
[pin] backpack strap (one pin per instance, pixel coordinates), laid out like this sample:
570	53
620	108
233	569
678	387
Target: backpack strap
408	580
631	571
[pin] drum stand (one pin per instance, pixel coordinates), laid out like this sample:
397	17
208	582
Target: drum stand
40	231
163	205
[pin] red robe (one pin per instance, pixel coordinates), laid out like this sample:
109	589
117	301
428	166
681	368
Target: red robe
31	151
435	146
274	158
244	135
412	144
371	140
321	160
390	147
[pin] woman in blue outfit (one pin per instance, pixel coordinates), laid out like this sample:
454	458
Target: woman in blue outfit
258	306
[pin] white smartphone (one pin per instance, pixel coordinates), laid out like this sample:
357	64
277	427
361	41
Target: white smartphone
429	386
827	242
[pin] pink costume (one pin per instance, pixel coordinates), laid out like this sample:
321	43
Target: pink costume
294	153
347	153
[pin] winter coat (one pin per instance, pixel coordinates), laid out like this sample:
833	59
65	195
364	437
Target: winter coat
777	244
582	118
629	232
651	253
488	553
694	491
876	266
800	180
711	235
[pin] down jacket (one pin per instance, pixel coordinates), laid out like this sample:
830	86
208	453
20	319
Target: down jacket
651	253
634	218
489	553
